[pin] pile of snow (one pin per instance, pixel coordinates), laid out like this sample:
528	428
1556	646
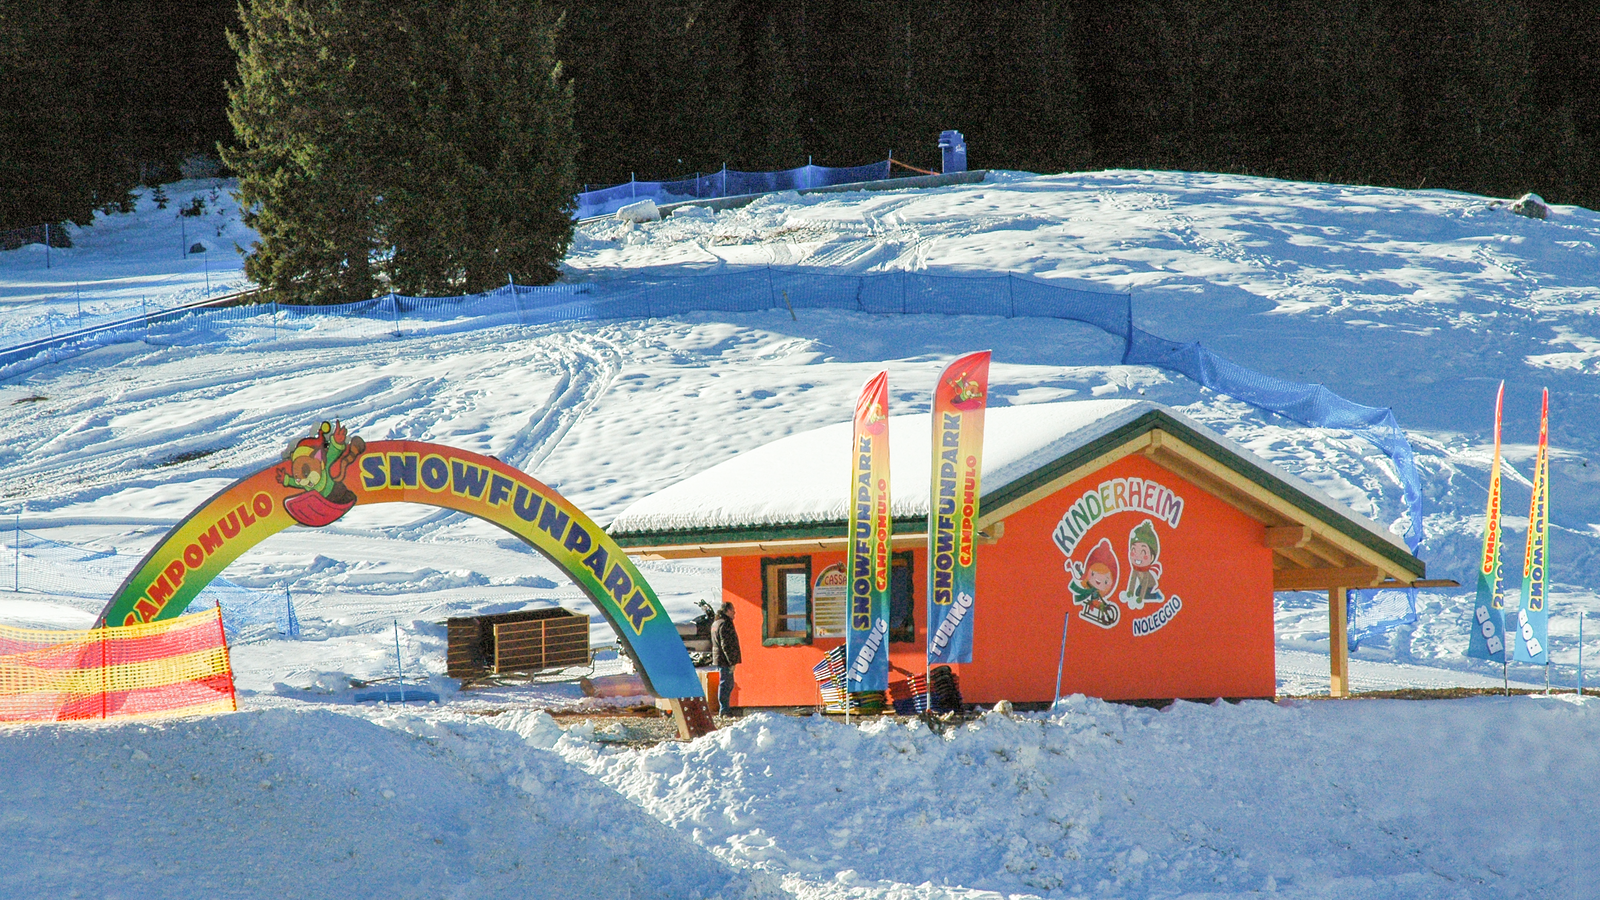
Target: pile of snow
1378	799
308	802
1419	300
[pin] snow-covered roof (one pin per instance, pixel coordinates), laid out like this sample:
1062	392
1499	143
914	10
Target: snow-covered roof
800	480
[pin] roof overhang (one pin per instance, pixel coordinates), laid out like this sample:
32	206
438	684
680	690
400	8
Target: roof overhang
1315	545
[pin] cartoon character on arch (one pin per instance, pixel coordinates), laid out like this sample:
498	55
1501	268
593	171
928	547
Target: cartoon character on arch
319	465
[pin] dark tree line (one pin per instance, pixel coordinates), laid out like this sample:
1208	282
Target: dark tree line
1490	96
97	96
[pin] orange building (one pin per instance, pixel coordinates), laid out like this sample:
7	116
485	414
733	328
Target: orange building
1159	542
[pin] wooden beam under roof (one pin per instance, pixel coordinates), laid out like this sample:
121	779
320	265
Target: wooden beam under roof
1287	537
1326	578
1325	541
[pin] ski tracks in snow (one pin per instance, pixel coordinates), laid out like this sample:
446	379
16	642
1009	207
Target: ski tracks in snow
589	364
234	413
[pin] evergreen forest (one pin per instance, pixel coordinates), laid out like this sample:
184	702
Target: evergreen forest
1487	96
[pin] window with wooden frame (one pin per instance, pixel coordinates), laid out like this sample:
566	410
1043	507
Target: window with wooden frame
786	600
902	600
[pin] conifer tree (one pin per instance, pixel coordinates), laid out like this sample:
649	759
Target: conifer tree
424	148
772	120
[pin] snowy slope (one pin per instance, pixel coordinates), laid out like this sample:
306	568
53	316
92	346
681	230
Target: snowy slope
124	263
1418	300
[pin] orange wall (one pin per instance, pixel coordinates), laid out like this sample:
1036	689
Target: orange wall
1219	643
781	676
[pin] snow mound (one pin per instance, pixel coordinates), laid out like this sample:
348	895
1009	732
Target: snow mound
310	803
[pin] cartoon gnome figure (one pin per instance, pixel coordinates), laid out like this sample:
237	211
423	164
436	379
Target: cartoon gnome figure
1144	576
1094	581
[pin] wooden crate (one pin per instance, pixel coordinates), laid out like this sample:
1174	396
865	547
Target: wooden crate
541	644
521	641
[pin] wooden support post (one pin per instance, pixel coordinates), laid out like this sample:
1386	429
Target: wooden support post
1338	644
692	717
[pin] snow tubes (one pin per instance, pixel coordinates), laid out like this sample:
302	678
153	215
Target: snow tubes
258	506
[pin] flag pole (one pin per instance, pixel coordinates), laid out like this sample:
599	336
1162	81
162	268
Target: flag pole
1061	661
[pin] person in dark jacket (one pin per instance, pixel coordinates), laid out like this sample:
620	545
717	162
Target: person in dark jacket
724	653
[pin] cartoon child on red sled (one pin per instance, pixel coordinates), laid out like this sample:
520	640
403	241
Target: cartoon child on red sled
1094	581
317	465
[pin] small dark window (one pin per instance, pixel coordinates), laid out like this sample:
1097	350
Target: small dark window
902	601
786	600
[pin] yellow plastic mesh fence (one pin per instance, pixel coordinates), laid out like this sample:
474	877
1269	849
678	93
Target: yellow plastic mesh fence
176	667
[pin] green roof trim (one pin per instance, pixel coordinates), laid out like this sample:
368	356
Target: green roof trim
1285	491
1150	421
798	531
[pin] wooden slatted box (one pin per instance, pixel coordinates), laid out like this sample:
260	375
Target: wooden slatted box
530	641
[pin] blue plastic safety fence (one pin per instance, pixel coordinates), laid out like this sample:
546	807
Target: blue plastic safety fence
1309	404
1373	612
726	183
646	295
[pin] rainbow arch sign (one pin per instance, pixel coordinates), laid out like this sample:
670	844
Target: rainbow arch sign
323	476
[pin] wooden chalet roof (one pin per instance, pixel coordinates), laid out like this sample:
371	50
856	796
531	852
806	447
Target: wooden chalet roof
789	496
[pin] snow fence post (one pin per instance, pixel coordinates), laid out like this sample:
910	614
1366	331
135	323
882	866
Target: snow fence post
292	628
398	665
233	693
105	660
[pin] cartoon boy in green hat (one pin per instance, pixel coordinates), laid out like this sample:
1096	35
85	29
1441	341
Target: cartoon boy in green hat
1145	570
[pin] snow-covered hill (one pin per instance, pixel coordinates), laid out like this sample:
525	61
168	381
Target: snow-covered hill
1422	301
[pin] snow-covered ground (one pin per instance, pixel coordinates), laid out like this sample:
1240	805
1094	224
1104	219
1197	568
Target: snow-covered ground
1422	301
127	263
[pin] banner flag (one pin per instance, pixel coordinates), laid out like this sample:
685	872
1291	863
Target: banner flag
868	562
959	400
1488	634
1533	626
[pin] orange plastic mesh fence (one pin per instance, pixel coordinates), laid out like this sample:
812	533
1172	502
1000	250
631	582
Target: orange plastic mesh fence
176	667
